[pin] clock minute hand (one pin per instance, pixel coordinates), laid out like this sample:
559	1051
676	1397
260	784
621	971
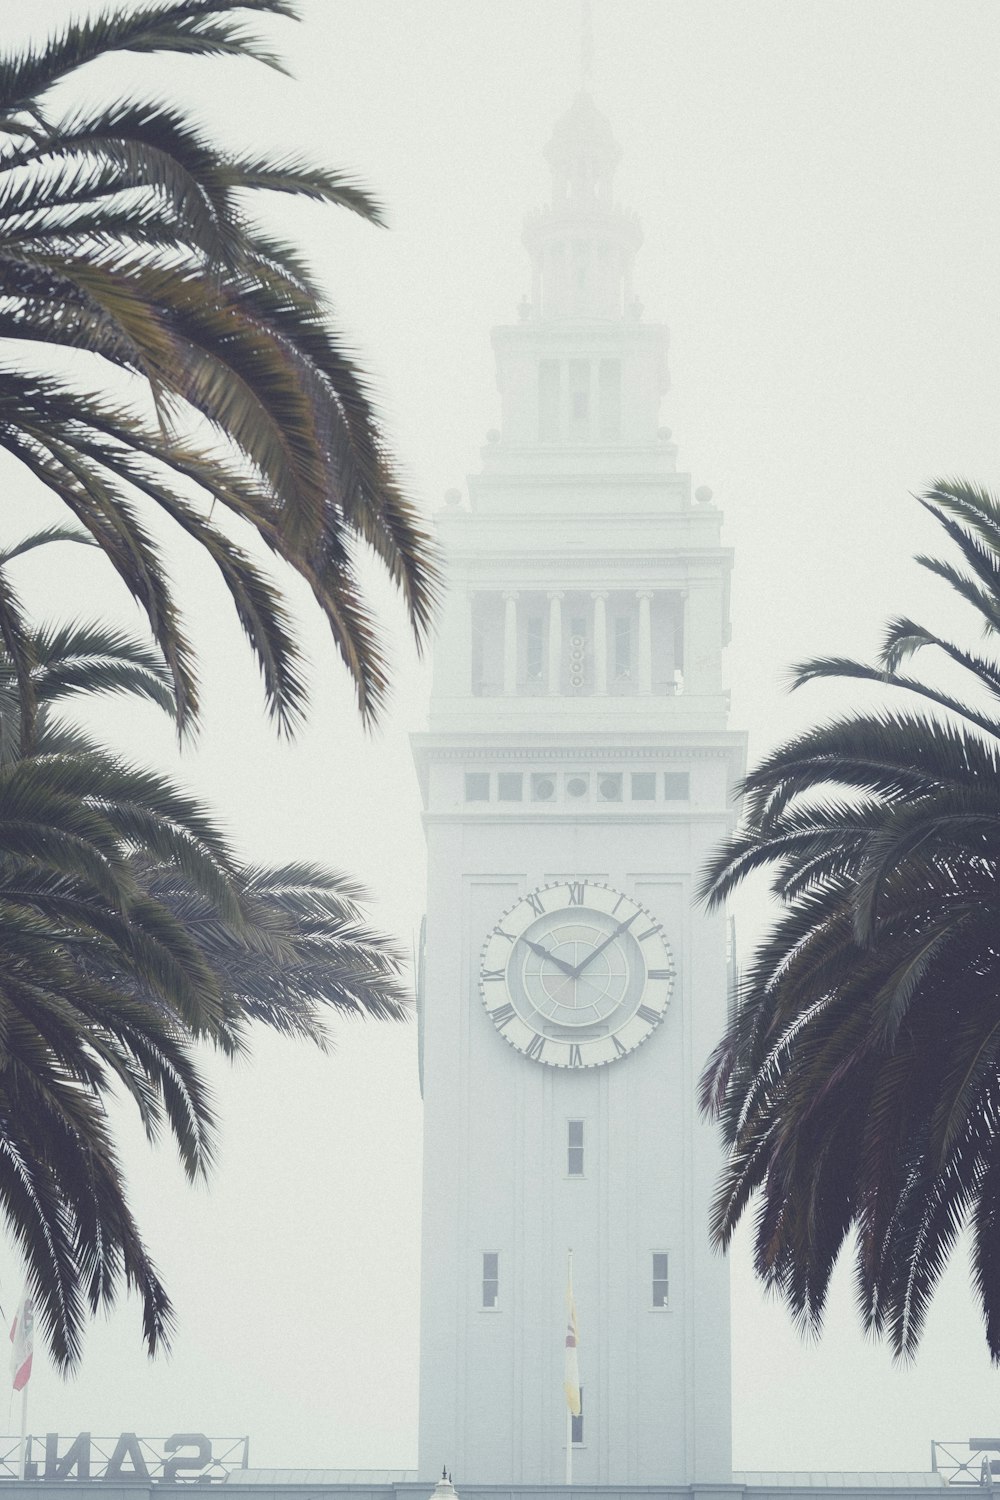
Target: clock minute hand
544	953
622	927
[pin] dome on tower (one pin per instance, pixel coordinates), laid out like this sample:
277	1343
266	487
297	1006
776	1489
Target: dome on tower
582	152
583	127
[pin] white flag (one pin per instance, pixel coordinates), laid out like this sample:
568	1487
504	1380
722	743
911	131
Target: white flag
22	1342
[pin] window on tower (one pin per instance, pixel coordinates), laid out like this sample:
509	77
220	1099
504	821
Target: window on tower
579	399
676	786
535	648
643	786
548	401
491	1278
623	646
574	1148
661	1279
609	398
510	786
477	786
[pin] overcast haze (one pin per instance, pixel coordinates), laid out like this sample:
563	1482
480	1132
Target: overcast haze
817	187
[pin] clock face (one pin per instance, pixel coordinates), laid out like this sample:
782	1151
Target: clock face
576	974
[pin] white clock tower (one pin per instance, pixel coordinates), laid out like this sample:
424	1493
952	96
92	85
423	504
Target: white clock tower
576	772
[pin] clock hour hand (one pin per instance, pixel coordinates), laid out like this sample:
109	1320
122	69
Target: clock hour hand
622	927
544	953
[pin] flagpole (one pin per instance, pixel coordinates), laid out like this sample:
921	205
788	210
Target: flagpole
569	1414
569	1446
22	1450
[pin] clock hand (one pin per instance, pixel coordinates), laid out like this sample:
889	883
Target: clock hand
544	953
622	926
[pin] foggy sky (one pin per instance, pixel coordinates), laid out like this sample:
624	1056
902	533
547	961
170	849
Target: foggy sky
817	186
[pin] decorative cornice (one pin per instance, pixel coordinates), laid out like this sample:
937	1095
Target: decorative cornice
573	754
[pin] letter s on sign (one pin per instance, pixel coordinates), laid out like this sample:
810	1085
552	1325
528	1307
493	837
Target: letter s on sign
174	1466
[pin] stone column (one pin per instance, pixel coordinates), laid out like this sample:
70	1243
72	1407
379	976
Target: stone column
600	641
510	644
645	660
555	642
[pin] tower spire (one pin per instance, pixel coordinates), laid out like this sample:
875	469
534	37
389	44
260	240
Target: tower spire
586	43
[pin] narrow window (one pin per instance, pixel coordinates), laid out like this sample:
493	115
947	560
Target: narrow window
535	645
491	1278
609	398
477	786
661	1279
548	401
574	1148
623	646
510	786
643	786
576	1435
676	786
579	397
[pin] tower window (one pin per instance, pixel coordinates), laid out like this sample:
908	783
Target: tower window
543	787
477	786
579	397
491	1278
643	786
676	786
623	646
576	1433
535	640
548	401
609	398
574	1148
609	787
661	1279
510	786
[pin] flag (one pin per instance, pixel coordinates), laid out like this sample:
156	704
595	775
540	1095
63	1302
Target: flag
571	1376
22	1342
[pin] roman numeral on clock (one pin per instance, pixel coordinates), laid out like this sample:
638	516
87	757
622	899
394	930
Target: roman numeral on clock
619	1049
575	1056
534	900
647	1014
494	974
650	932
502	1015
535	1047
499	932
658	973
576	889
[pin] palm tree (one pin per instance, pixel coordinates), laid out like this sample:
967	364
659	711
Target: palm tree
129	933
125	237
858	1083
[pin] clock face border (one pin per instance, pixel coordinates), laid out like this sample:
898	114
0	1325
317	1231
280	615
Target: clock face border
605	1043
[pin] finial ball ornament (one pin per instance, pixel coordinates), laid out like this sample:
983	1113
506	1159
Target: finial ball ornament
703	494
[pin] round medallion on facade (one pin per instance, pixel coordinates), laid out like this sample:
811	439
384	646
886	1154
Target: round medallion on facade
576	974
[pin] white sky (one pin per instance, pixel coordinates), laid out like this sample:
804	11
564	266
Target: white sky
817	184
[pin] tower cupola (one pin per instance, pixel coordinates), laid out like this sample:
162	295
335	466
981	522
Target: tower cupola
582	244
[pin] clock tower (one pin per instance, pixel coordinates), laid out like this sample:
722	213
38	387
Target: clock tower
576	773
